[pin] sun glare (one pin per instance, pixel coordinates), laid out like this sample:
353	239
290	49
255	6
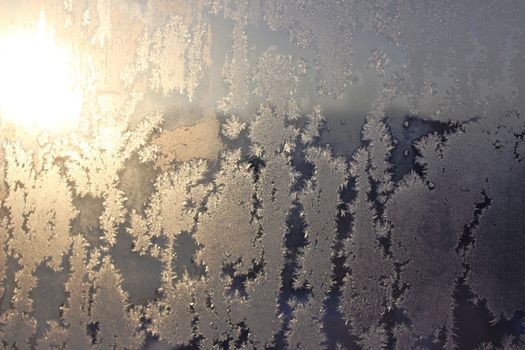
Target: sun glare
39	85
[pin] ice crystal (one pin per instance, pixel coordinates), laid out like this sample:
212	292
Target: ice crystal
306	327
17	326
229	210
320	201
40	207
94	165
268	120
236	69
327	29
117	327
76	312
233	127
366	290
315	124
172	316
175	55
273	190
426	242
378	61
172	207
277	78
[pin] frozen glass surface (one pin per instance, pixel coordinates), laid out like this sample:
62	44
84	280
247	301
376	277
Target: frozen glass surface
262	174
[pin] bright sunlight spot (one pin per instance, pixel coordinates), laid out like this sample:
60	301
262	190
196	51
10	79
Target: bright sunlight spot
39	85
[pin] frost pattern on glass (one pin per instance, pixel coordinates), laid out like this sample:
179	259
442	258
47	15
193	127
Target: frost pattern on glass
271	174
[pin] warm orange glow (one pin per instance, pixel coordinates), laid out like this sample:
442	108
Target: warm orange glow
39	85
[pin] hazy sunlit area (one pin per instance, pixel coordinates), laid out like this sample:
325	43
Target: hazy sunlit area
262	174
39	85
